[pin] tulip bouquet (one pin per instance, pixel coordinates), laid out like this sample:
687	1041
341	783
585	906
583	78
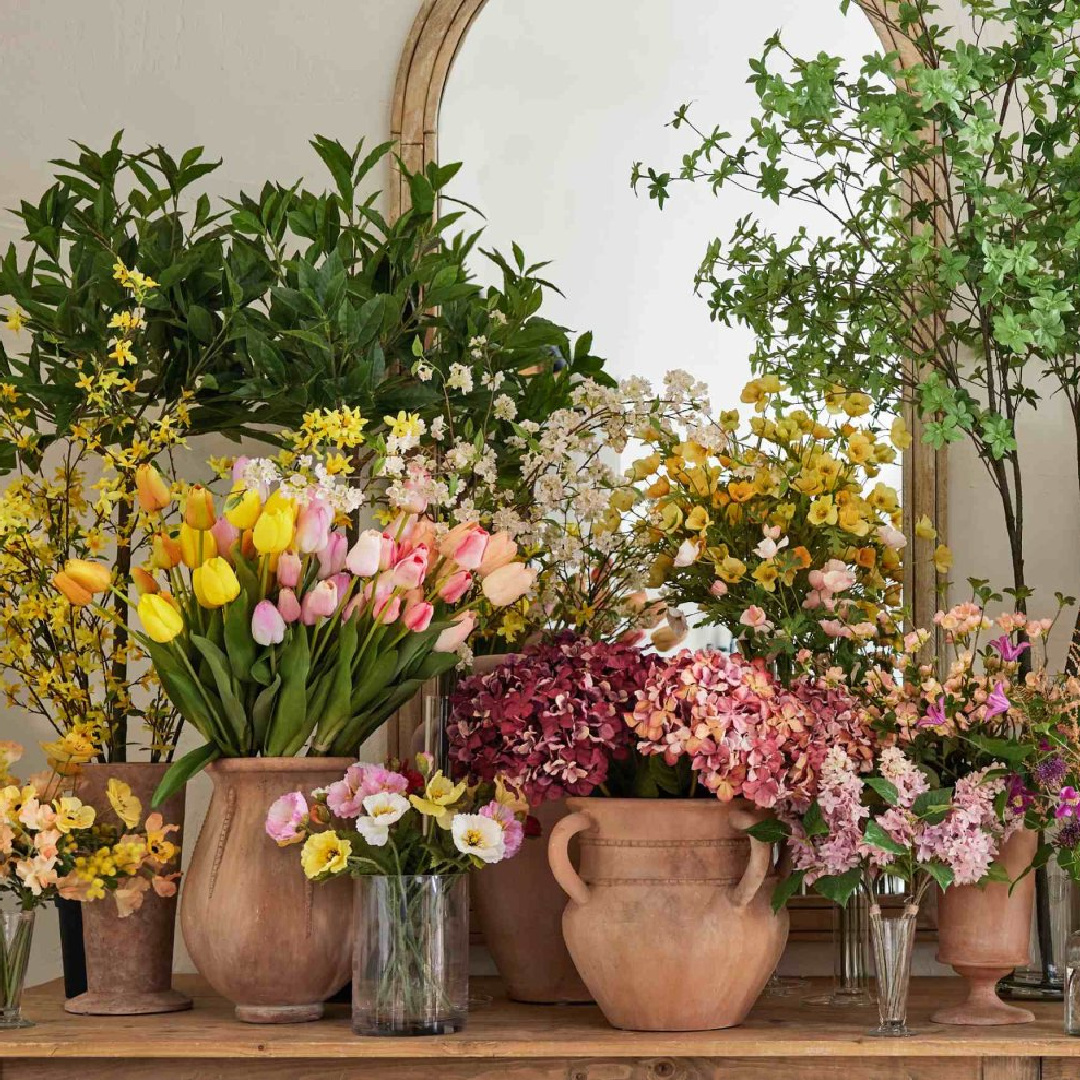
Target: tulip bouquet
778	534
271	632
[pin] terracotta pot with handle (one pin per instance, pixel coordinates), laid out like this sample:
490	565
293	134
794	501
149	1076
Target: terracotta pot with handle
984	933
519	907
261	934
129	961
669	921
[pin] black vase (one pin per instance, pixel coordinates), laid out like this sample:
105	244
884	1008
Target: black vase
69	913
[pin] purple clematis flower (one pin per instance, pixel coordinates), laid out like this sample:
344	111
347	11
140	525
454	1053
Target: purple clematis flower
935	715
1007	650
1068	801
997	703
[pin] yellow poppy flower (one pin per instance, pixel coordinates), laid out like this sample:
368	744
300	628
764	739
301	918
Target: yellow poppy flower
126	806
924	528
698	519
72	814
899	434
731	569
765	574
325	853
822	511
943	559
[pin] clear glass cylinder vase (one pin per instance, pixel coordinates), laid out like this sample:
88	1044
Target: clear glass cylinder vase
16	932
411	955
893	938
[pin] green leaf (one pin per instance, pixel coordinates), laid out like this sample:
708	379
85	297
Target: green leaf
262	710
182	770
339	697
290	719
885	788
232	706
787	888
877	837
941	873
239	644
813	821
769	831
839	887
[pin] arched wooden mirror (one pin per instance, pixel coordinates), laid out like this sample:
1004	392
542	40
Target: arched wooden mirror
548	105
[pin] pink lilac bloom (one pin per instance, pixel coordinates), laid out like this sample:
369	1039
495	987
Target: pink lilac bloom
513	830
550	719
346	796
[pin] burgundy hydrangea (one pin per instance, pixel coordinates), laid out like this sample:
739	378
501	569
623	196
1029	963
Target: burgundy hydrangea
549	719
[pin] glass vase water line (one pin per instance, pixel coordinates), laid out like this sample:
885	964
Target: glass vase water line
893	938
16	933
411	955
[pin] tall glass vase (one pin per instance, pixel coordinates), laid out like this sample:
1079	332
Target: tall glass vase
411	955
851	963
893	937
16	932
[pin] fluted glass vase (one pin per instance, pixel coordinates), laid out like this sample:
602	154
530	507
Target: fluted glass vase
16	931
893	938
411	955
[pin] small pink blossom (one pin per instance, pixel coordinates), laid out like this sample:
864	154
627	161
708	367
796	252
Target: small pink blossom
286	818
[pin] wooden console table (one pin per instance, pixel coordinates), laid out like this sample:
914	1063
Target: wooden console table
781	1041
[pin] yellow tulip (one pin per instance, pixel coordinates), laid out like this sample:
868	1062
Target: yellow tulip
151	490
196	546
93	577
161	621
199	508
242	508
214	583
273	531
279	501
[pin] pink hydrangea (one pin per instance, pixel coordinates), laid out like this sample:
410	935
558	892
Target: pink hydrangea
550	719
745	733
345	797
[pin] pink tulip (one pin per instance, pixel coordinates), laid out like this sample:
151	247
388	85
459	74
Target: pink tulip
225	534
319	603
313	527
418	616
383	590
453	637
508	584
469	552
332	557
288	606
289	568
410	572
363	559
390	611
267	624
500	551
448	544
455	586
413	500
357	603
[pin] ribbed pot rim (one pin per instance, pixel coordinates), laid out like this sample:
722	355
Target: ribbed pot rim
114	765
278	764
588	803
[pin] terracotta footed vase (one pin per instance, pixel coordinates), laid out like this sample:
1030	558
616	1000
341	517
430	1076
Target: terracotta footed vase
129	961
261	934
984	933
669	921
519	906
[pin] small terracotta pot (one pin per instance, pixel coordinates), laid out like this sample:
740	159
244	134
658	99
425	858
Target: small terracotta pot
983	934
669	922
261	934
519	907
129	961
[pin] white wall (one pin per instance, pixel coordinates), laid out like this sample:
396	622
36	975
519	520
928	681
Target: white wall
252	80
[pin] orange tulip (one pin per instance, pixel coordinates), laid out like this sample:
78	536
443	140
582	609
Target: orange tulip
91	576
199	508
151	490
144	581
165	552
75	593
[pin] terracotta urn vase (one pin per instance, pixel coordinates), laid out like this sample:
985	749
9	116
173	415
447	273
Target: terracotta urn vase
261	934
129	961
669	921
984	933
519	908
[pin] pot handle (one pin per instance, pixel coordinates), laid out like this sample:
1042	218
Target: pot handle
761	857
559	856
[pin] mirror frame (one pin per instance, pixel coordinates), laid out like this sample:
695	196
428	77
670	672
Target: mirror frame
436	36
